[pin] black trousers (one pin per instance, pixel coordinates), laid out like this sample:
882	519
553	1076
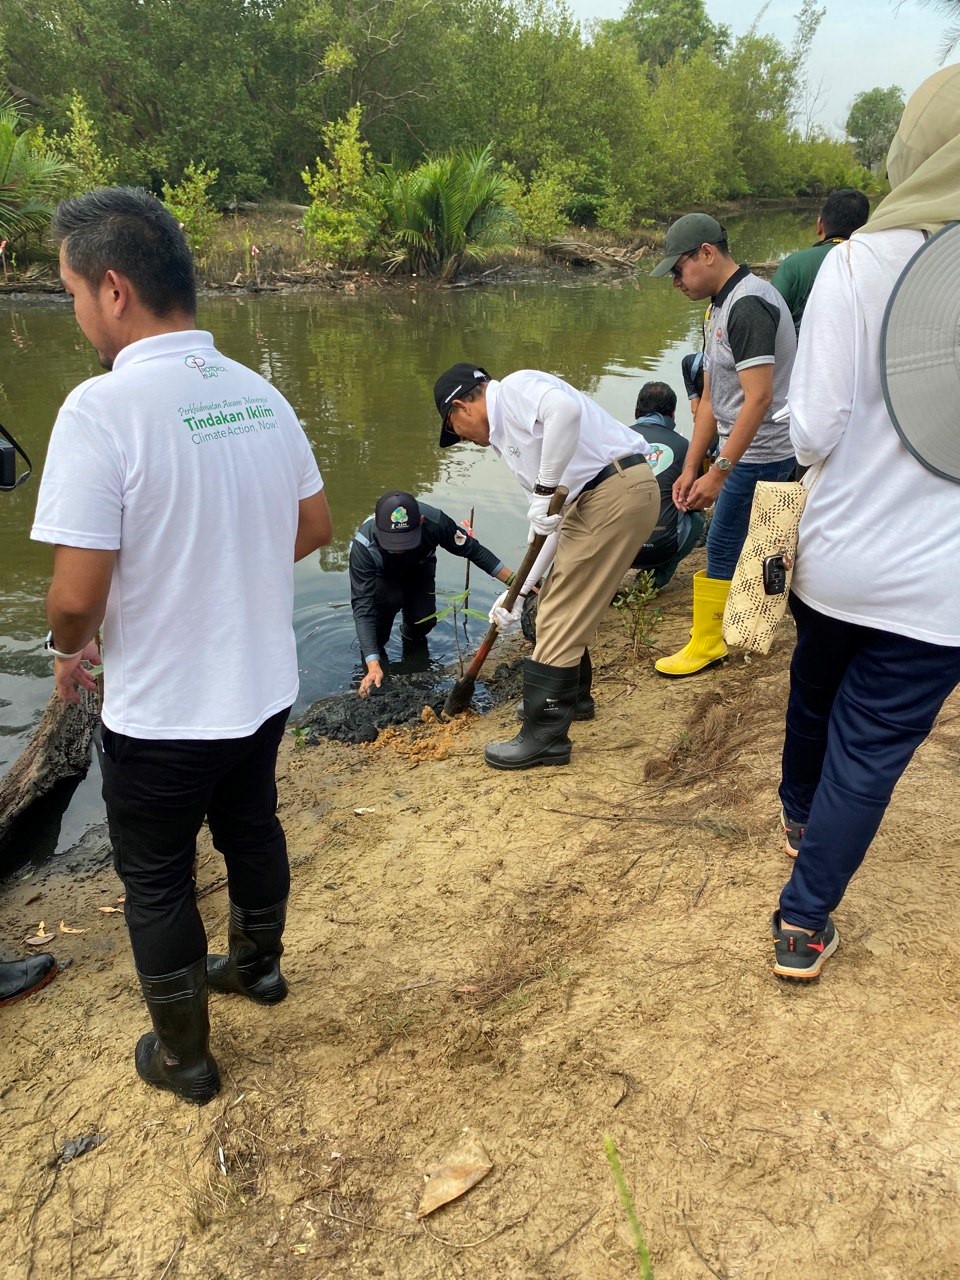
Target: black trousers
157	794
414	596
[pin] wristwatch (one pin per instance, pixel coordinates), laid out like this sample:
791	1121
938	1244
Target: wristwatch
723	464
57	653
544	490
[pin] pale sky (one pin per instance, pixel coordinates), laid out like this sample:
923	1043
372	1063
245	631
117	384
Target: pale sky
860	44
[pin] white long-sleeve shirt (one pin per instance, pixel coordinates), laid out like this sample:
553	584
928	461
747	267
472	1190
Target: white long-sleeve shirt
517	414
880	535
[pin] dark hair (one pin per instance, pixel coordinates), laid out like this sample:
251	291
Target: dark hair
656	397
475	392
843	212
128	230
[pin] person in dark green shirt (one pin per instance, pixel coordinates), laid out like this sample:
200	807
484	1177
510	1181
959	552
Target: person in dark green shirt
841	215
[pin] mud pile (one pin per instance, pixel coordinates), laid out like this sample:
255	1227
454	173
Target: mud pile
401	699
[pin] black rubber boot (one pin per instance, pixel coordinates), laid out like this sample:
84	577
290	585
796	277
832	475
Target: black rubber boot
21	978
585	708
549	696
175	1055
252	968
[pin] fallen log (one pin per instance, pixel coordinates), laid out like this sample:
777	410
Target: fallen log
59	749
578	253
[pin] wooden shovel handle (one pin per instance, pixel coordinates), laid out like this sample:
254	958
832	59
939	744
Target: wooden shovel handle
533	550
526	564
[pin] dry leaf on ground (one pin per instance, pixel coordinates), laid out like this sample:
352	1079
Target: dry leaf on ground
462	1169
65	928
40	937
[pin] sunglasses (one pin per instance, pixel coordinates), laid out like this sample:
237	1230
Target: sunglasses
677	269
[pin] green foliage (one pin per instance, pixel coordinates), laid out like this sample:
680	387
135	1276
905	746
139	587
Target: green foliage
80	147
32	176
457	609
629	1208
448	210
823	165
691	159
872	122
661	108
639	614
190	203
344	213
665	29
760	79
164	83
541	204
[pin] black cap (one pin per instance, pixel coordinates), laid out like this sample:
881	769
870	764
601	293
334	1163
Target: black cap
397	521
454	385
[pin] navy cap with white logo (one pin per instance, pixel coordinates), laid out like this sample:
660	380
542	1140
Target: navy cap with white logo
457	382
397	522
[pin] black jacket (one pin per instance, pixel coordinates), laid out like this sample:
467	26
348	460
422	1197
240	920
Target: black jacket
369	562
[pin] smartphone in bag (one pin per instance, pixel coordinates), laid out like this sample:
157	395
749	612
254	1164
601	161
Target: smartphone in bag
775	575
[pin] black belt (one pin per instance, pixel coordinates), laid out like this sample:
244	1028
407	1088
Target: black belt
611	469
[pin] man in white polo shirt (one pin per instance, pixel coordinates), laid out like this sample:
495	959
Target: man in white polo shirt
178	491
549	434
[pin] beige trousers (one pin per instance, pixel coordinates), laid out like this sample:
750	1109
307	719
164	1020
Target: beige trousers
601	533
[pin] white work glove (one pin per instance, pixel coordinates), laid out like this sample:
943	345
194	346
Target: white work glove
540	522
503	619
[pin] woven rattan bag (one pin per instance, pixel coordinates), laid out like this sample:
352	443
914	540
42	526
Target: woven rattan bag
751	616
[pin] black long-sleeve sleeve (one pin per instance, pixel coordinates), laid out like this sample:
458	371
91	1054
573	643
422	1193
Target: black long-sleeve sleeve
363	602
458	542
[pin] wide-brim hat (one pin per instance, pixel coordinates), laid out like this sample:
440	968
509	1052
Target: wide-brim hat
920	354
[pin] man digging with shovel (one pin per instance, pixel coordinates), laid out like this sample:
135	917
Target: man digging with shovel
549	434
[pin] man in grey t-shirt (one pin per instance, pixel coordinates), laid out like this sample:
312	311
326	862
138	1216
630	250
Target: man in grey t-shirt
751	344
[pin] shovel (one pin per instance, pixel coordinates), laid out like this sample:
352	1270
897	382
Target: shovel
458	699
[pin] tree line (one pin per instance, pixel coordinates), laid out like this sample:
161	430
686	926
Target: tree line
658	108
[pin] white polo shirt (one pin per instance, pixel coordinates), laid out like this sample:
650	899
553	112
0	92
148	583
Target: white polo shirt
516	431
192	467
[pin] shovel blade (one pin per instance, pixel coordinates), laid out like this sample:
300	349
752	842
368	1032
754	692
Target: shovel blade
460	696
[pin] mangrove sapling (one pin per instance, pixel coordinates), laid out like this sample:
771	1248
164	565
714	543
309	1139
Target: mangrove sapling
466	577
629	1208
456	607
635	606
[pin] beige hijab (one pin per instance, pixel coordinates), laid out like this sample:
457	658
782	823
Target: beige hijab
923	163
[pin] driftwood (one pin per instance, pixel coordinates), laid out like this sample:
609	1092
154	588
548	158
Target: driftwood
59	749
764	269
580	254
31	286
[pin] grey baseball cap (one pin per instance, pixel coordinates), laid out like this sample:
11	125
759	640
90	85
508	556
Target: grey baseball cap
685	235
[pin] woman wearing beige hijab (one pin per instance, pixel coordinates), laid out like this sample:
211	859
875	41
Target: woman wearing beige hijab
878	629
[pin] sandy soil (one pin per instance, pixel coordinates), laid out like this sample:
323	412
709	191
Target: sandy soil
547	958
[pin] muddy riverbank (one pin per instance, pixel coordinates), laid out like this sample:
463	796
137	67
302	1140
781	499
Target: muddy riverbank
547	958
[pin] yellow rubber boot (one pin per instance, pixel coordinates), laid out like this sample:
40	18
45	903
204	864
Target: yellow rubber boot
705	646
